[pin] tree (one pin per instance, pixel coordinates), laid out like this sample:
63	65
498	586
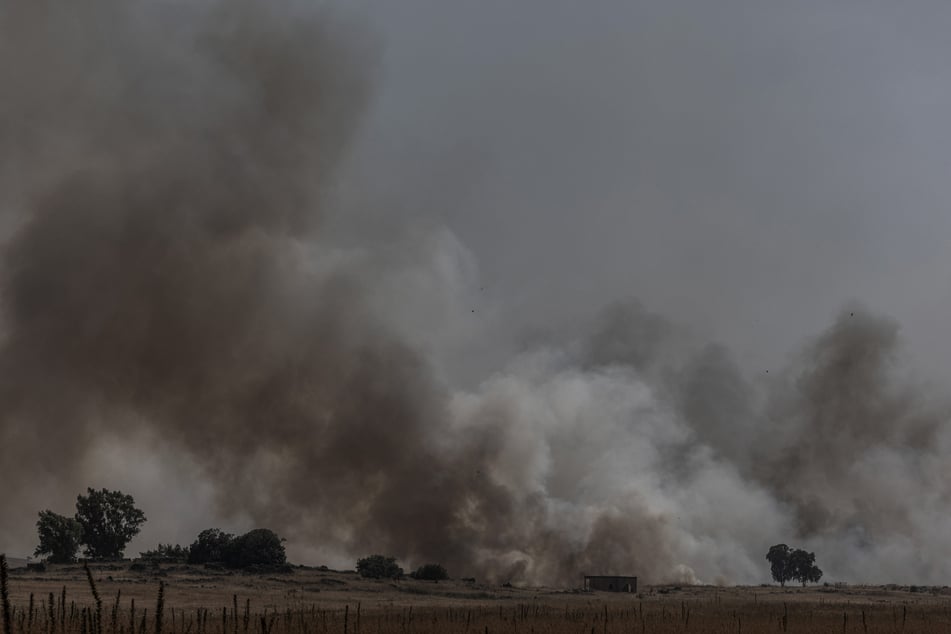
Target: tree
60	537
803	567
379	567
779	566
211	546
430	572
109	520
260	547
787	563
812	575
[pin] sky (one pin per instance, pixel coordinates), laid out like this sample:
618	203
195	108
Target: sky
528	288
745	168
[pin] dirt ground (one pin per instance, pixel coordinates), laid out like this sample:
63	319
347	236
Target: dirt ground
198	585
654	608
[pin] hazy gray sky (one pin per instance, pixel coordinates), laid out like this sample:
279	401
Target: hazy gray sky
743	167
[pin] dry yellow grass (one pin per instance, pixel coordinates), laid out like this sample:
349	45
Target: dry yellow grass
310	601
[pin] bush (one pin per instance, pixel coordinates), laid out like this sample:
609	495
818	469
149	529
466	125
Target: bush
168	553
379	567
260	547
430	572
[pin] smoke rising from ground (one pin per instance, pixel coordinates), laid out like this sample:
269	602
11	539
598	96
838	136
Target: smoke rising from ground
168	287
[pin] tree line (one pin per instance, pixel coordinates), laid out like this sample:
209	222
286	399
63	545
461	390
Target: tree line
106	521
383	567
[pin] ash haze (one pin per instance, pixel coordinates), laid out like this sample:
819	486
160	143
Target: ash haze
529	289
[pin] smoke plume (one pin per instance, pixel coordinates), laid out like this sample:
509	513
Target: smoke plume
168	289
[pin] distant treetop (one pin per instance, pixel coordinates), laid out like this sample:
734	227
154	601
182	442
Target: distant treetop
379	567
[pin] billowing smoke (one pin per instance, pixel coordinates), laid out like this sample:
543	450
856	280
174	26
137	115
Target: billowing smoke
168	290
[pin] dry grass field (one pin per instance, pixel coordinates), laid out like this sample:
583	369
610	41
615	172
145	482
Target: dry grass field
196	600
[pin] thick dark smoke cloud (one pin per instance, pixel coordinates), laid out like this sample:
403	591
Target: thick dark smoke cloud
156	280
173	303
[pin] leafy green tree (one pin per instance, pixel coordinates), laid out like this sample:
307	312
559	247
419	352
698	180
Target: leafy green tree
211	546
430	572
379	567
803	567
109	520
260	547
60	537
779	565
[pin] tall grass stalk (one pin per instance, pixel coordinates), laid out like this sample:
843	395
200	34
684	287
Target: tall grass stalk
159	607
5	597
97	625
115	613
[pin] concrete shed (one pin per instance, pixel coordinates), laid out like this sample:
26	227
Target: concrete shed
610	583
